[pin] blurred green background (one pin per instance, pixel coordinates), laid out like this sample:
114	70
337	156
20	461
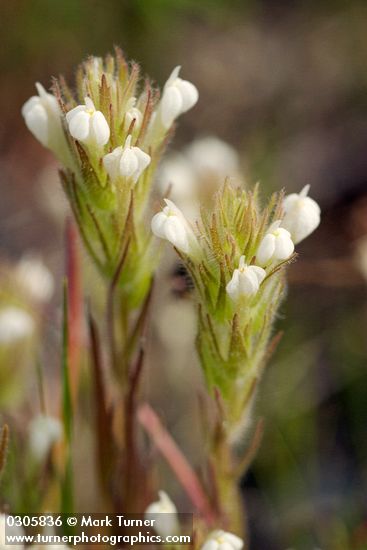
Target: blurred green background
285	84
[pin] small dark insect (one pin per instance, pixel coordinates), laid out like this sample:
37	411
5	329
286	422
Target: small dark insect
181	282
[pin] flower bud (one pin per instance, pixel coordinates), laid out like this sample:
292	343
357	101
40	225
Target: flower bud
171	224
164	514
88	125
15	324
44	432
178	97
302	215
277	245
126	162
245	280
222	540
42	117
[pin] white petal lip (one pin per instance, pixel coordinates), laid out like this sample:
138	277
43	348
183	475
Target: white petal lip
69	115
176	233
157	225
36	120
189	94
111	162
79	126
29	104
277	245
266	249
101	130
126	162
88	125
284	247
171	105
245	280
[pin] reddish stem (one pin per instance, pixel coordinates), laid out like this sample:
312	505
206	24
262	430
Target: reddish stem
75	305
177	461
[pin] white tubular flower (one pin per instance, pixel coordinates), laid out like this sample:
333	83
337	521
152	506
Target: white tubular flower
13	530
15	324
171	224
42	117
88	125
35	278
126	162
222	540
302	215
277	245
178	97
44	432
246	280
164	514
133	113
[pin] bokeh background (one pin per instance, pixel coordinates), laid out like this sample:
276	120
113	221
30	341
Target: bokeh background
285	84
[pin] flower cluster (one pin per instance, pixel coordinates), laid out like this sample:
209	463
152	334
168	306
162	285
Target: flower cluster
236	253
110	136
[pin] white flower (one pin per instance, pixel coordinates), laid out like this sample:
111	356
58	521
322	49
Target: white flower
12	531
15	324
126	162
302	215
178	97
222	540
35	278
88	125
133	113
171	224
44	431
211	156
164	514
245	280
42	117
277	245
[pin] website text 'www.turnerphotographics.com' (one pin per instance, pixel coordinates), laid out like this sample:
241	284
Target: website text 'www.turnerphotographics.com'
98	529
